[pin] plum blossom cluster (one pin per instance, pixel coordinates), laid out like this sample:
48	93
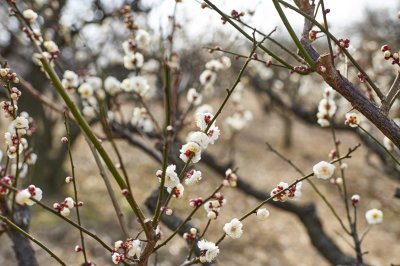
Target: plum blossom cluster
388	54
7	181
172	181
141	120
230	178
199	140
141	39
130	248
212	67
64	207
192	234
208	251
25	196
326	108
352	120
282	192
20	128
214	205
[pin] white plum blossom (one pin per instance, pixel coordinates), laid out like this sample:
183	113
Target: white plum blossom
133	61
177	191
226	62
137	84
214	65
65	211
129	46
233	228
374	216
117	258
23	197
278	194
134	249
21	125
327	107
192	177
118	244
142	39
203	120
171	177
112	85
50	46
70	80
208	250
194	97
262	214
208	77
85	90
190	150
200	138
30	15
69	202
323	170
89	112
141	119
213	134
95	82
352	119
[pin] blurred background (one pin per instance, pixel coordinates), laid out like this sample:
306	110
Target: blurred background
273	106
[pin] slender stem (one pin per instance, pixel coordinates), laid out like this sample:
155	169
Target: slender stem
107	129
322	28
187	219
292	34
245	34
345	195
380	144
327	29
110	190
242	56
357	242
254	210
49	209
153	119
167	108
391	96
281	46
315	188
78	216
27	235
200	237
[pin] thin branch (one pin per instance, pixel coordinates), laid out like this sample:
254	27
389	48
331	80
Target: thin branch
27	235
75	188
230	21
391	96
289	28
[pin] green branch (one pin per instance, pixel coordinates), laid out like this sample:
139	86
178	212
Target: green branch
289	28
